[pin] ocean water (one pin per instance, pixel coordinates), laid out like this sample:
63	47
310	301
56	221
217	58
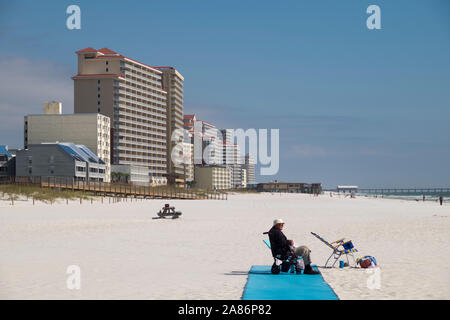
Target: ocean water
412	196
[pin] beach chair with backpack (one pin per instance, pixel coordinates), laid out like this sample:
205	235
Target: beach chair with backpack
340	247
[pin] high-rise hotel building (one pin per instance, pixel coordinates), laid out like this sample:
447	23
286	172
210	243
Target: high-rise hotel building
132	95
173	84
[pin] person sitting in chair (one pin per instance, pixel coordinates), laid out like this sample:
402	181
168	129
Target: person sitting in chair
282	248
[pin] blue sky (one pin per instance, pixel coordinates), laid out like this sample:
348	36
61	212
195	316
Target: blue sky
354	106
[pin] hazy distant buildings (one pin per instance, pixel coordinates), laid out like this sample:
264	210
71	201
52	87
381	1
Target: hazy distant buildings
232	159
188	122
217	148
212	143
188	158
206	139
63	160
132	95
249	166
91	130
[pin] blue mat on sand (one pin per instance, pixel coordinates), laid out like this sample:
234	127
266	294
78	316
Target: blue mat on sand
263	285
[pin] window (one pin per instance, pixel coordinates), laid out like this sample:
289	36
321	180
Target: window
106	62
98	81
106	69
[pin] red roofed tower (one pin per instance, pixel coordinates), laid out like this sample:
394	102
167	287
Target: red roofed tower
131	94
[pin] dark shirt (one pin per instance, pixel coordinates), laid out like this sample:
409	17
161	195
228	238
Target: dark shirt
279	244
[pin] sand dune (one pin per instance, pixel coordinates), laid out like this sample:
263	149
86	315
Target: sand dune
124	254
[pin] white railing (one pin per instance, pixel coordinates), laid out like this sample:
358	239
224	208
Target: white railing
141	104
141	110
124	113
147	91
147	100
143	144
142	137
129	74
126	155
150	130
119	127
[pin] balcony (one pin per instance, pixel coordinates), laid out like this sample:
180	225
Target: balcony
146	128
127	155
148	113
145	90
124	127
143	79
130	94
129	135
144	105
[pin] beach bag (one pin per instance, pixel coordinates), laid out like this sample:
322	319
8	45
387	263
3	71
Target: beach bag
367	262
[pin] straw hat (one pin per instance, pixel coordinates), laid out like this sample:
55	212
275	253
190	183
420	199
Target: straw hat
278	221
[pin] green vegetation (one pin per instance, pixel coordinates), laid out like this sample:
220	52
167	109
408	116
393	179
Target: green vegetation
53	193
47	195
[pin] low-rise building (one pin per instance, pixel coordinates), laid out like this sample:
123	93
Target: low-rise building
63	160
137	175
290	187
7	162
89	129
212	177
348	189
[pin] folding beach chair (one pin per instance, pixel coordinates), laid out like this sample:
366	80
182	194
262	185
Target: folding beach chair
290	260
339	248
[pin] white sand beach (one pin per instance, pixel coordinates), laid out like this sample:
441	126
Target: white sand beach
124	254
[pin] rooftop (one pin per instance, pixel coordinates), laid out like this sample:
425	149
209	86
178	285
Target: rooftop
4	150
108	53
